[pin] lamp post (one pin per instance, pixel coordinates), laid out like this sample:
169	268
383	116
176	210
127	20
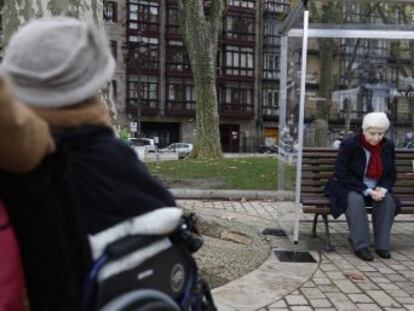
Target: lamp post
130	51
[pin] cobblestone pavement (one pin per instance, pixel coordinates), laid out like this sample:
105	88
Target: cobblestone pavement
343	282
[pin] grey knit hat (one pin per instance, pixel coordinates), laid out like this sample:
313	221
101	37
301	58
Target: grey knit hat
57	62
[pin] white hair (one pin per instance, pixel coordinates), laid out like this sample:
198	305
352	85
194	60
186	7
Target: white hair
377	120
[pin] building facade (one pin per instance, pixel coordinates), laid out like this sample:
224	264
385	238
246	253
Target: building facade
154	84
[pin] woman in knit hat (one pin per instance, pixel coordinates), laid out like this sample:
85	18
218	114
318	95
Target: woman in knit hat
91	182
365	175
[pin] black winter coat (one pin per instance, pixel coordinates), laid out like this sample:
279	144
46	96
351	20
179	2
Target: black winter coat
92	182
349	173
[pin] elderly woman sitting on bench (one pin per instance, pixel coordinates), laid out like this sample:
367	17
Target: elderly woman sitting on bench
364	176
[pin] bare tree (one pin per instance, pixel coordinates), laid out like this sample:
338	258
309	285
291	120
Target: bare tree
200	24
18	12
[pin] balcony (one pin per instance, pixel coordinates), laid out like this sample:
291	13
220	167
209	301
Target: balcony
180	108
149	107
271	74
236	111
278	7
270	113
271	40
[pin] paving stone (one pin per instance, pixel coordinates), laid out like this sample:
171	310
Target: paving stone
279	304
380	280
309	284
301	308
366	285
368	307
406	300
396	277
322	281
278	309
398	293
294	300
341	302
382	298
360	298
388	286
328	267
409	307
394	309
312	293
329	289
367	268
320	303
336	275
347	286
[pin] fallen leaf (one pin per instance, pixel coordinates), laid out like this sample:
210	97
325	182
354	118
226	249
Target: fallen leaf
355	276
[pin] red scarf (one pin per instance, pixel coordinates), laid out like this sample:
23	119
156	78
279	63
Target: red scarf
374	169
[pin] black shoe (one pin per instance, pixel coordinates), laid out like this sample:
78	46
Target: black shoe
364	254
383	253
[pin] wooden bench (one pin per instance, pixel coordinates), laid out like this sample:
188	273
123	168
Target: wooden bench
317	167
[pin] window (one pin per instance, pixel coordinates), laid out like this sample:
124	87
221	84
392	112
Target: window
147	87
276	6
144	16
239	27
242	3
270	105
110	11
177	58
181	94
239	61
236	98
172	20
146	52
271	65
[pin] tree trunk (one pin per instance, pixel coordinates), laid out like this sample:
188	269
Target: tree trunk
18	12
200	35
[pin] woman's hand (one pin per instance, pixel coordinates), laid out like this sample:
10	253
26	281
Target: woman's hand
377	195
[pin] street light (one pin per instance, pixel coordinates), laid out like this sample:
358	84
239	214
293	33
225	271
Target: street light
130	52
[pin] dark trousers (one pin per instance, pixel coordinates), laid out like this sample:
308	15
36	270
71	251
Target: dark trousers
383	213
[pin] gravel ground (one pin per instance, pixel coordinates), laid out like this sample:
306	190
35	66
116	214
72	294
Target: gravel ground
221	261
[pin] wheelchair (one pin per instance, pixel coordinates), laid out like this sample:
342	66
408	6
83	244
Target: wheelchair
145	263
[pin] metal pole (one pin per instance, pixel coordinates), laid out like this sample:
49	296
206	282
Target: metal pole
301	123
283	72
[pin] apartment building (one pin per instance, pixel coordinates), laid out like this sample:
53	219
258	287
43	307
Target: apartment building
154	82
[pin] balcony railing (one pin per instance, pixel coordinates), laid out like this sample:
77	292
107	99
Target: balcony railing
270	112
271	40
271	74
276	6
234	111
180	108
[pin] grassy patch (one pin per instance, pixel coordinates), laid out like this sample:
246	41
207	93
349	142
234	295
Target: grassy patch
250	173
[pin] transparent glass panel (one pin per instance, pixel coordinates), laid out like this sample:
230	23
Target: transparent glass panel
346	77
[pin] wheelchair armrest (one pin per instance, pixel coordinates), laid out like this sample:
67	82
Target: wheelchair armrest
128	244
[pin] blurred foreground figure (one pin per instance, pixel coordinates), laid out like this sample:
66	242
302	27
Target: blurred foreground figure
91	182
24	140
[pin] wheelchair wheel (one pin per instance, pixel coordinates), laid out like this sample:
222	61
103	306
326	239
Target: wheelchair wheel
142	300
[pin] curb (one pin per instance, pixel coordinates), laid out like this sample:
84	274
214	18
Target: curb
229	194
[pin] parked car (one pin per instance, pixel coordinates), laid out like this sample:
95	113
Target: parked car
183	149
148	143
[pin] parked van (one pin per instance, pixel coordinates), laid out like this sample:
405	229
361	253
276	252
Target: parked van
148	143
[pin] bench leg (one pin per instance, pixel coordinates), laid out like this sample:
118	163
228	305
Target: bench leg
328	246
315	223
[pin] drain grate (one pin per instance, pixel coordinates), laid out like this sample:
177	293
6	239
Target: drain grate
274	232
289	256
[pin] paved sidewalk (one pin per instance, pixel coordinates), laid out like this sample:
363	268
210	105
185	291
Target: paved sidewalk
340	281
